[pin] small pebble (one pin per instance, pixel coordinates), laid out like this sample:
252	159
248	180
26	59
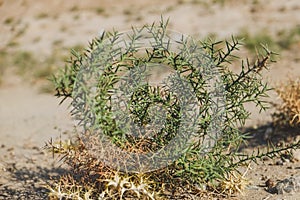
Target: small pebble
270	183
288	185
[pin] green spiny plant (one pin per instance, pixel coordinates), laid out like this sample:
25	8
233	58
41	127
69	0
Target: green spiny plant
194	172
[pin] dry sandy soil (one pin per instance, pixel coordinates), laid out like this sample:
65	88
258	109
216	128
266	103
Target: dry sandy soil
29	118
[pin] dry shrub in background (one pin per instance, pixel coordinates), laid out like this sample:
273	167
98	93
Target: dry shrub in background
288	112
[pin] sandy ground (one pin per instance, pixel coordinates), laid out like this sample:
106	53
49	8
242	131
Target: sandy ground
28	118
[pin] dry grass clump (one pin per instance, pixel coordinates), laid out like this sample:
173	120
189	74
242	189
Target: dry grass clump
88	178
234	183
288	113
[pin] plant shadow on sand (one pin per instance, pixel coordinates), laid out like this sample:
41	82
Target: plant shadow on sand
268	134
272	170
27	179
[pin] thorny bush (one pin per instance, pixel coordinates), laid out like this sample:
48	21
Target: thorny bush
193	173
